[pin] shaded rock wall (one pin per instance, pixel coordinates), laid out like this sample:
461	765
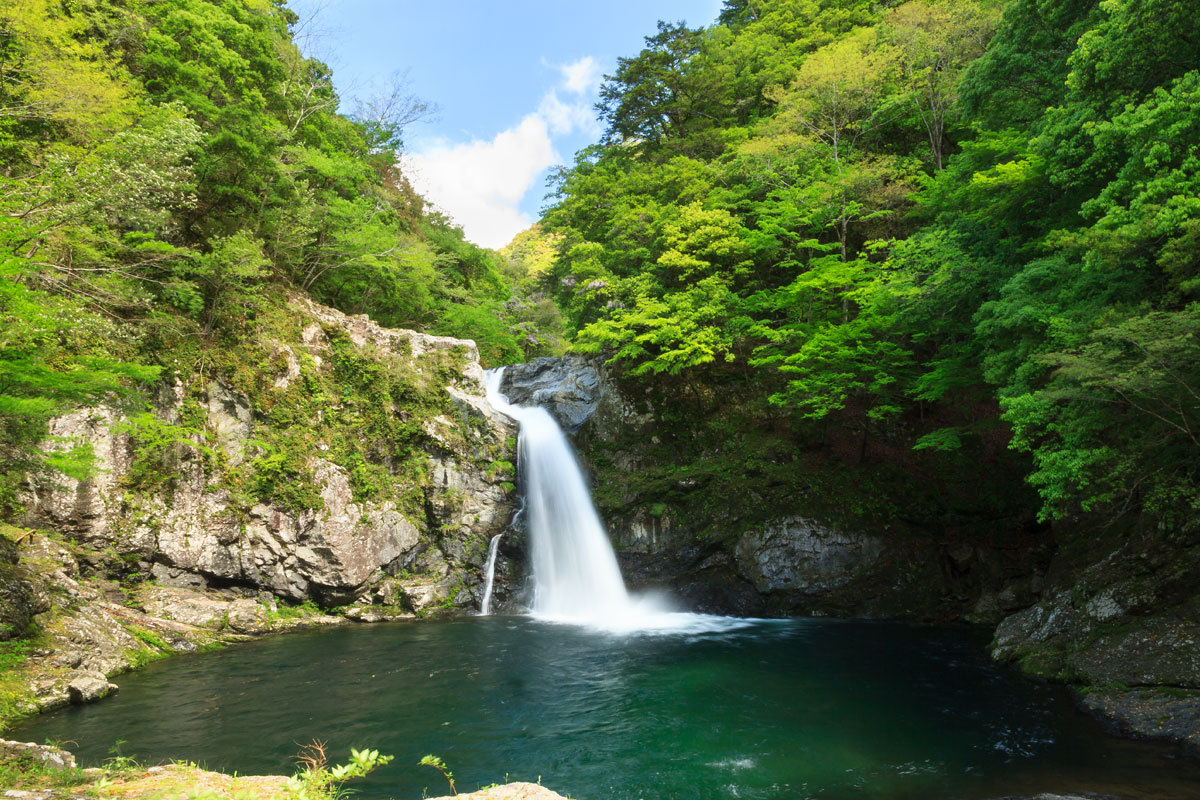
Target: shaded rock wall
1127	629
784	561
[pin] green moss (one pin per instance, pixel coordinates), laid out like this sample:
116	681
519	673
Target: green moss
154	647
285	612
16	698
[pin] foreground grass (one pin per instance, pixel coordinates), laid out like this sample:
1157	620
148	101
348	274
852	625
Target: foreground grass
122	777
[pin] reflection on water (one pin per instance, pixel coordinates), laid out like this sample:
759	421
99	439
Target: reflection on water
749	709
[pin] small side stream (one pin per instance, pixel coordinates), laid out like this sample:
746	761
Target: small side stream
776	709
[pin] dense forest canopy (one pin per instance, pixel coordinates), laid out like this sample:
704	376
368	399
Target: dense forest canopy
947	224
953	242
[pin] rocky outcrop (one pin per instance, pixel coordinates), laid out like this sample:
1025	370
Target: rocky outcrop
1154	713
20	595
1131	619
801	555
1128	630
509	791
88	687
94	629
568	387
200	531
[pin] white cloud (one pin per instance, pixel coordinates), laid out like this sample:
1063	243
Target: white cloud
565	118
479	184
582	76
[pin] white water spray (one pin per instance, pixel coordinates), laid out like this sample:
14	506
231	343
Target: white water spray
575	574
575	571
485	607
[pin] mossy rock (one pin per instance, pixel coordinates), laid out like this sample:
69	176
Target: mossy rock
16	601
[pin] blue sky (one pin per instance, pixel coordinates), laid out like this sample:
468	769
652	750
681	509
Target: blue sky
514	82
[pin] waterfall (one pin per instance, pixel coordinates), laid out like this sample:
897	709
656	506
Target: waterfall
485	607
575	573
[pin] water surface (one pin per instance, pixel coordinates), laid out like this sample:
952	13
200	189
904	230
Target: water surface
775	709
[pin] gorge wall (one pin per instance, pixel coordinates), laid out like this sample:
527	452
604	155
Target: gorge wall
787	557
199	529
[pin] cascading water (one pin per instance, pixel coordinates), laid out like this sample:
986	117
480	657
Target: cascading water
575	574
485	606
575	571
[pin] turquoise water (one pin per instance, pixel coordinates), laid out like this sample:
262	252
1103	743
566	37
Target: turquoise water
776	709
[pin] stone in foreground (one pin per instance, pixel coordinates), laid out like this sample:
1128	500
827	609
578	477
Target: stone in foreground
50	757
509	791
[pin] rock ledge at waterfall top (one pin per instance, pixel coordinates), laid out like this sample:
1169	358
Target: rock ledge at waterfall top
568	387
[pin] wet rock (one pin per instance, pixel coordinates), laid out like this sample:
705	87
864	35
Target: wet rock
1125	620
1128	628
646	532
1150	713
89	686
801	554
568	387
50	757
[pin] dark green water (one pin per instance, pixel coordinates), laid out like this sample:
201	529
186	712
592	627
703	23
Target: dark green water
780	709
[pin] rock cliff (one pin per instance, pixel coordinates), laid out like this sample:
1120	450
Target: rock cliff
203	529
1126	629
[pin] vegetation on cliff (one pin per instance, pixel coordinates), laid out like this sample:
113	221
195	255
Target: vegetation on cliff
173	175
850	239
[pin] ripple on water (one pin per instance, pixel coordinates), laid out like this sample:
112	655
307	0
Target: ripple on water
681	705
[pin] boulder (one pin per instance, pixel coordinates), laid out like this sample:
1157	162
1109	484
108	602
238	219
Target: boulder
89	686
509	791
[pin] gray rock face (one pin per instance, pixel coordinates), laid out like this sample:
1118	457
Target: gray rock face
1129	628
567	387
21	596
1132	619
197	534
801	555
